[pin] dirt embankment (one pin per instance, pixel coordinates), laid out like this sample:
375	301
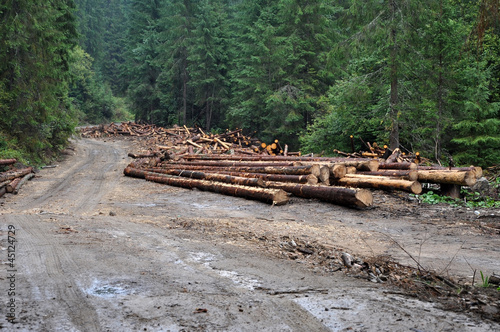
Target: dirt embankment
97	251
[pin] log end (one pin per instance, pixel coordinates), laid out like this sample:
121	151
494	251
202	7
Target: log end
416	188
364	198
280	197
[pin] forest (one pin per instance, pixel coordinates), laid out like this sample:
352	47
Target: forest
419	75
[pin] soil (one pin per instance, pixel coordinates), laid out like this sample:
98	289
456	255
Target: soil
98	251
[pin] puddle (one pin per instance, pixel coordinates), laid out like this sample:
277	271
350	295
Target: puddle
238	279
337	315
108	289
146	204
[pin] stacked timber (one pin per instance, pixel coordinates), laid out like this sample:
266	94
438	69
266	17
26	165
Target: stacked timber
13	179
191	158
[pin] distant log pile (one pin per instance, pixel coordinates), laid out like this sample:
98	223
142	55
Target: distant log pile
184	140
14	178
234	164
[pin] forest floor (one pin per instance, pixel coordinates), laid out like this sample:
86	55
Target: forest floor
98	251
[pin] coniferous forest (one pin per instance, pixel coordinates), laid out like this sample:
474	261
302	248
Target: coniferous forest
420	75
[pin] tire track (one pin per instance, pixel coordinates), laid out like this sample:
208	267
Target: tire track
46	263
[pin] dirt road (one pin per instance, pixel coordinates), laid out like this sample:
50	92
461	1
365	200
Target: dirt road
97	251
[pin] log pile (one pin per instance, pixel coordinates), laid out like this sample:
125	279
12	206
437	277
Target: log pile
13	178
239	165
183	140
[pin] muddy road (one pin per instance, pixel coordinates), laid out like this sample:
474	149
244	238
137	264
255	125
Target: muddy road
97	251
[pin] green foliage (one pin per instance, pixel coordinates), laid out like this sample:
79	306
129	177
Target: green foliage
36	40
470	199
485	280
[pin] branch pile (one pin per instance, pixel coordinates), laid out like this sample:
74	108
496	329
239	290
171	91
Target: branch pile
14	178
184	140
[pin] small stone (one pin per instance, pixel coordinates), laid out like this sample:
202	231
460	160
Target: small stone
111	213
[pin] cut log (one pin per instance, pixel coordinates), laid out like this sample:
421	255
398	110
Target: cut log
336	195
7	161
4	183
400	166
142	155
304	179
215	163
409	175
393	158
10	175
243	181
383	183
478	171
22	182
337	171
271	196
2	191
370	165
461	178
12	185
324	175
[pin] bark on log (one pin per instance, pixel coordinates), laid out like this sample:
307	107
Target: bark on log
4	183
336	195
369	166
462	178
7	161
400	166
381	183
223	163
271	196
393	158
10	175
242	181
142	155
304	179
12	185
478	171
402	174
2	191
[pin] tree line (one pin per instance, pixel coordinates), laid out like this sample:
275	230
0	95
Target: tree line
419	75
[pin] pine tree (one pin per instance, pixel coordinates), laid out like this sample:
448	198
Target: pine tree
209	61
36	40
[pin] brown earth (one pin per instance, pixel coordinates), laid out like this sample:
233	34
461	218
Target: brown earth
97	251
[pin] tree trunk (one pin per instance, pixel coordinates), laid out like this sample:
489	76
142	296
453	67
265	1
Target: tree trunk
271	196
383	183
393	103
462	178
243	181
12	185
335	195
22	182
400	166
409	175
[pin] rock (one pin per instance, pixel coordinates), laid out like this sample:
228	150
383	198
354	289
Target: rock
111	213
482	186
494	279
347	259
